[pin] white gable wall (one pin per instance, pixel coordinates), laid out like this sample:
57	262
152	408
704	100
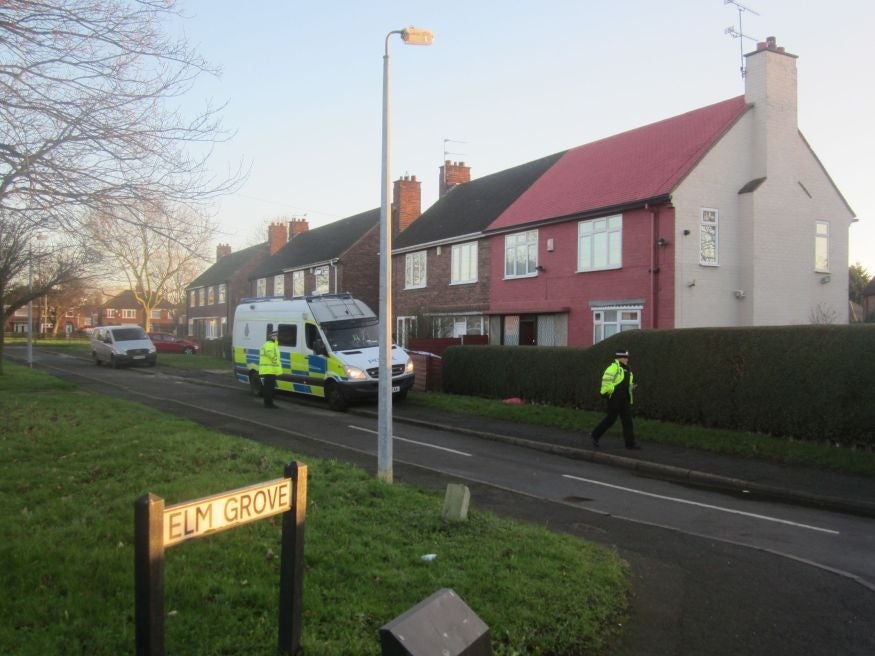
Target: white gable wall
705	295
767	235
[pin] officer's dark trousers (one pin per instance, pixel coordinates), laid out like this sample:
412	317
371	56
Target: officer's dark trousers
617	408
268	383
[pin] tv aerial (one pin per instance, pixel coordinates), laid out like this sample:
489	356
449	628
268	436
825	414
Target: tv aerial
739	33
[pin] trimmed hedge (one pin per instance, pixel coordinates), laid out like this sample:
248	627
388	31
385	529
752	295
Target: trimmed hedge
810	382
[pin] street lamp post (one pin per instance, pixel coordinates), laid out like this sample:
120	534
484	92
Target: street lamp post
416	37
42	237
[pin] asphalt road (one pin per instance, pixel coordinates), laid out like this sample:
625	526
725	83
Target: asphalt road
712	575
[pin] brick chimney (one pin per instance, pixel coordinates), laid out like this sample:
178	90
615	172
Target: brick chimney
277	236
222	250
770	85
297	226
407	205
453	173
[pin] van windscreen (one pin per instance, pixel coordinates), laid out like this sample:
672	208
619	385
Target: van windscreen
128	334
349	335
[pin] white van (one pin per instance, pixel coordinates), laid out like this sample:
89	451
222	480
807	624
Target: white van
329	347
122	345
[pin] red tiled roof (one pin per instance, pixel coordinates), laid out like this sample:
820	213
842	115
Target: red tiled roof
643	163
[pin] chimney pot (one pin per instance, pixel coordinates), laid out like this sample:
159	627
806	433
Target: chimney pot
771	42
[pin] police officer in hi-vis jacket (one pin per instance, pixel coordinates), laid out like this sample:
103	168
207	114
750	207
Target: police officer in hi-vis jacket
269	368
617	388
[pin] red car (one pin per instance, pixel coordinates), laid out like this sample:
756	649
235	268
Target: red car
167	343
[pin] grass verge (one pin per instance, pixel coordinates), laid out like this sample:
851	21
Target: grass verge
73	463
748	445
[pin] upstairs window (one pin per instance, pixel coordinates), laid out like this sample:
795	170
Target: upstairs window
414	270
463	268
709	237
821	246
211	295
297	283
223	291
322	280
600	243
279	285
129	314
521	254
261	287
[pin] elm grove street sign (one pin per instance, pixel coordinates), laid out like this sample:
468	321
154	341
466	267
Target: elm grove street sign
195	519
157	527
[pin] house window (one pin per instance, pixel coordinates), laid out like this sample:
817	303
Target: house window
211	329
321	276
110	313
464	263
129	314
607	322
708	237
298	283
414	270
521	254
202	296
155	314
261	287
405	330
192	298
211	295
600	243
821	246
279	285
223	292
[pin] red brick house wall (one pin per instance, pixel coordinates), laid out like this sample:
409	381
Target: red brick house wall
560	289
439	296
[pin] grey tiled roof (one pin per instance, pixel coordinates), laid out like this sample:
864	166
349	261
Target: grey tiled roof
319	244
225	268
470	207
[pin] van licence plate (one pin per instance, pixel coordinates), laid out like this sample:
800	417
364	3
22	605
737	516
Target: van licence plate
396	388
139	357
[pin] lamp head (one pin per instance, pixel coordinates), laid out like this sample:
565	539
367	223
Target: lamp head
417	36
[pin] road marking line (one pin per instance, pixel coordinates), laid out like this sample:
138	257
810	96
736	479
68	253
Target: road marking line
401	439
703	505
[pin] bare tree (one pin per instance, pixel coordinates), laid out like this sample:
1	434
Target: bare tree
91	118
153	250
71	295
32	267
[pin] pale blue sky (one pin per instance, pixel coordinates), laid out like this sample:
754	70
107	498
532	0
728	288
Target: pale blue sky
513	80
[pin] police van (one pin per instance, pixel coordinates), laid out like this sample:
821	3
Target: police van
328	344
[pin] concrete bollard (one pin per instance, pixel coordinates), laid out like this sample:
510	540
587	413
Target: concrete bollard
456	501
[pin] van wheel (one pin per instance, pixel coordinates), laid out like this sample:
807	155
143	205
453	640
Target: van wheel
113	362
96	359
188	350
254	384
336	399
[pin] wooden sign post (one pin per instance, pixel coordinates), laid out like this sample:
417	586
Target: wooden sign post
157	527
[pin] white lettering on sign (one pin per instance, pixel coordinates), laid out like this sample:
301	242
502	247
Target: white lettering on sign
193	519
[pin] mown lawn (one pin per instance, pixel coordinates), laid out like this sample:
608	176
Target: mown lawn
72	465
